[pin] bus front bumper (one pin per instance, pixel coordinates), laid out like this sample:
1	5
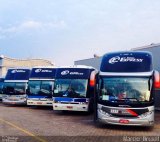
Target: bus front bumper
39	103
147	121
14	102
70	107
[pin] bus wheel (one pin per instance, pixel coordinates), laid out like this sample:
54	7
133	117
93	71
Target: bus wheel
97	123
95	117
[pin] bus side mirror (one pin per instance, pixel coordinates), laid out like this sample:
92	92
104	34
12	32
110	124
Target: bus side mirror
156	80
93	78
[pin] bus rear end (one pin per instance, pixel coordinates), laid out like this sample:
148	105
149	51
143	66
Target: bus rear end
74	89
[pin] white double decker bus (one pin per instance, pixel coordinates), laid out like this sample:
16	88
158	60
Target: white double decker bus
40	86
15	86
126	89
74	88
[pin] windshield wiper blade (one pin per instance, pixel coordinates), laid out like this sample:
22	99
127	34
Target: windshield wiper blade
126	100
132	99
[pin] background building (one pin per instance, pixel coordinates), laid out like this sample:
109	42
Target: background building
153	48
94	62
6	62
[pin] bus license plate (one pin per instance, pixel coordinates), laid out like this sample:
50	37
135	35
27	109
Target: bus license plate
124	121
12	99
39	103
114	111
12	103
69	107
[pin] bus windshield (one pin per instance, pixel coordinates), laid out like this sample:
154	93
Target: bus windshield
1	87
72	88
12	88
40	88
125	89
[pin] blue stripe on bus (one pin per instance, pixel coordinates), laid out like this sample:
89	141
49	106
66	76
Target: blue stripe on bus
38	97
69	99
80	100
63	99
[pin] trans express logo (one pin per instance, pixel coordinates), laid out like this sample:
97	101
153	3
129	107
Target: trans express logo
18	71
43	70
117	59
66	72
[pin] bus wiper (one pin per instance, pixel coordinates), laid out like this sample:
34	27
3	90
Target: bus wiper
128	99
10	93
19	91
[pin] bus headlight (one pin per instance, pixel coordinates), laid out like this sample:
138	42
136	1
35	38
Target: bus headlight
55	101
4	97
146	114
23	98
104	113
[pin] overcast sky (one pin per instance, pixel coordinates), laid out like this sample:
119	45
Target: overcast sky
67	30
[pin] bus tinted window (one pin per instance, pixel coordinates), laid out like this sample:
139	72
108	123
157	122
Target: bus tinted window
1	87
40	88
125	88
46	87
12	88
74	88
34	87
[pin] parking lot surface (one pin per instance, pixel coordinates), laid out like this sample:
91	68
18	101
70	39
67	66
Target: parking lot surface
20	123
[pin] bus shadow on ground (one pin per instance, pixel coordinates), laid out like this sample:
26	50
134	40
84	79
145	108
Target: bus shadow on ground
14	105
124	127
157	111
41	107
72	113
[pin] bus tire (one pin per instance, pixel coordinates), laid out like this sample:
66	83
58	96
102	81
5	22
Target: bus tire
95	119
97	123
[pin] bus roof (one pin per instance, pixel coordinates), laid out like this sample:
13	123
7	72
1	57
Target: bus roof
78	66
44	67
43	73
127	62
73	72
17	74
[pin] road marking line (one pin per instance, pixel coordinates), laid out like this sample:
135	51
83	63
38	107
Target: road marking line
23	130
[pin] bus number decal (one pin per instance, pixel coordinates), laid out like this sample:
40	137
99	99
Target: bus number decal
114	111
